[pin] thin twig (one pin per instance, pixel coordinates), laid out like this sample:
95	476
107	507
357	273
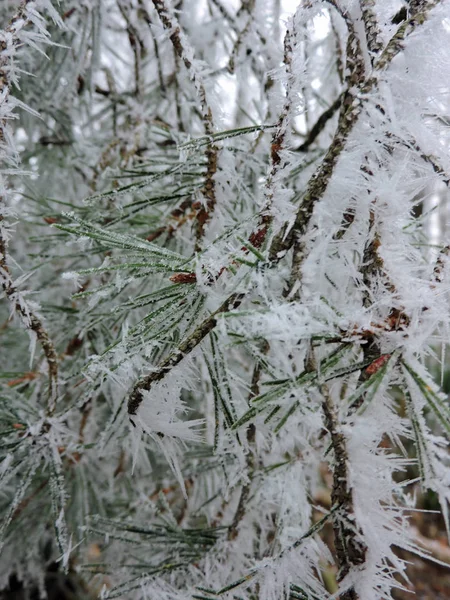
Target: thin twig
171	25
350	549
30	320
251	435
318	184
358	90
136	44
144	384
373	36
319	125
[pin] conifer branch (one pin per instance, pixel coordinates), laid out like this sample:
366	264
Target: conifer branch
256	238
373	35
248	7
357	91
419	11
137	46
350	549
319	125
250	460
316	385
278	142
349	114
209	189
191	342
31	321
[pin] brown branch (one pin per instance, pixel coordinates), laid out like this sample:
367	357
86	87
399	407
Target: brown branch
250	460
419	12
146	17
351	109
339	58
431	160
350	548
373	36
318	184
223	11
319	125
183	349
30	320
278	144
137	46
209	190
26	501
245	490
241	36
438	271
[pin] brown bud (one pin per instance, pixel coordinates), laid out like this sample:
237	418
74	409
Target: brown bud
183	278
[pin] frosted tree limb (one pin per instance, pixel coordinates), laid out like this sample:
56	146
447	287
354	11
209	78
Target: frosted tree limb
250	460
349	115
209	189
191	342
350	549
249	8
8	46
278	141
317	185
137	46
256	239
358	89
419	12
319	125
373	35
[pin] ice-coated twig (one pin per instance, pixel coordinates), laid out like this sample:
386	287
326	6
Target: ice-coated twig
359	88
319	125
171	25
9	43
191	342
373	36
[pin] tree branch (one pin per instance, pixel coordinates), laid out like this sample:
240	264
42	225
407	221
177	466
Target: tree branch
30	320
373	36
319	125
358	89
350	549
209	189
191	342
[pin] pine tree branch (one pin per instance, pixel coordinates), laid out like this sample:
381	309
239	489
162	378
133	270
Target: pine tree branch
339	53
245	490
278	142
137	46
251	436
418	13
31	321
318	184
257	238
191	342
358	89
319	125
350	549
146	16
209	189
350	112
373	34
